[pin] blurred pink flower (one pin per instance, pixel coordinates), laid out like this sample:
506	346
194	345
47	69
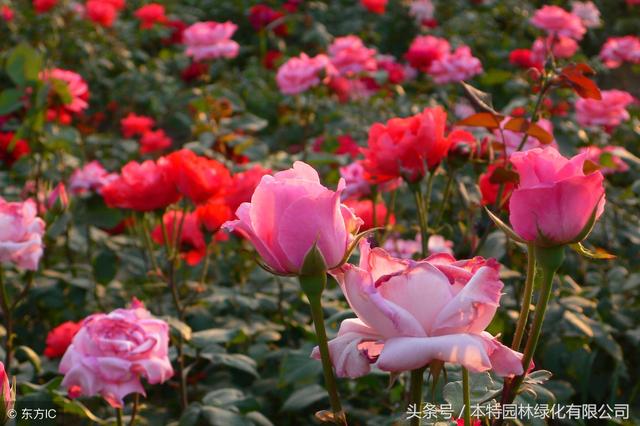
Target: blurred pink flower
607	158
454	67
617	50
91	177
561	47
301	73
151	14
112	352
587	12
608	112
153	141
423	11
424	50
349	55
513	139
374	6
77	88
134	124
21	232
210	40
558	22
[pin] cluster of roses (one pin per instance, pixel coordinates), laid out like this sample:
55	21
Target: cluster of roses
150	140
565	29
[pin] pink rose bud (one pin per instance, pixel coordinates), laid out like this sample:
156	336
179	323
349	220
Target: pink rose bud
112	352
291	211
398	331
555	202
8	395
21	233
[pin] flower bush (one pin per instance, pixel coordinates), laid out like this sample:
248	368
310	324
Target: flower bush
292	212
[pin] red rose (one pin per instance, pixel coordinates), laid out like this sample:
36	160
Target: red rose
242	186
19	149
489	190
364	210
43	6
198	178
59	339
142	186
261	15
150	14
134	124
192	245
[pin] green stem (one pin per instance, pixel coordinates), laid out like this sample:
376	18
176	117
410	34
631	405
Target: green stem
415	392
526	299
119	416
422	219
134	410
549	260
466	396
445	198
327	367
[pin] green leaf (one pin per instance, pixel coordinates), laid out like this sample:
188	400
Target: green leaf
179	328
223	397
236	361
304	397
23	64
105	266
215	416
204	338
10	100
74	406
298	367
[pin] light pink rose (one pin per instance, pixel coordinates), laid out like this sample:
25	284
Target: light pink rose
77	87
608	158
561	47
513	139
21	233
454	67
617	50
210	40
405	249
301	73
92	177
291	211
587	12
422	10
558	22
112	352
349	55
609	112
555	199
397	330
357	186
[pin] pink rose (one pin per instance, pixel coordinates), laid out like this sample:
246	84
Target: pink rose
512	139
422	10
153	141
554	200
397	330
609	112
617	50
558	22
561	47
291	211
92	177
76	86
111	352
8	395
21	233
349	55
357	186
454	67
587	12
299	74
424	50
210	40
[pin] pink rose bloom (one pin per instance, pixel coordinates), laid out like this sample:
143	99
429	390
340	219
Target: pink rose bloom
398	331
554	200
76	86
438	244
21	233
609	112
301	73
558	22
8	396
454	67
350	56
405	249
154	141
424	50
587	12
513	139
617	50
112	352
210	40
92	177
561	47
607	158
291	211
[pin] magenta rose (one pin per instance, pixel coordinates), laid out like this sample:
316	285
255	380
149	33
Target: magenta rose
411	313
21	233
555	201
291	211
112	352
